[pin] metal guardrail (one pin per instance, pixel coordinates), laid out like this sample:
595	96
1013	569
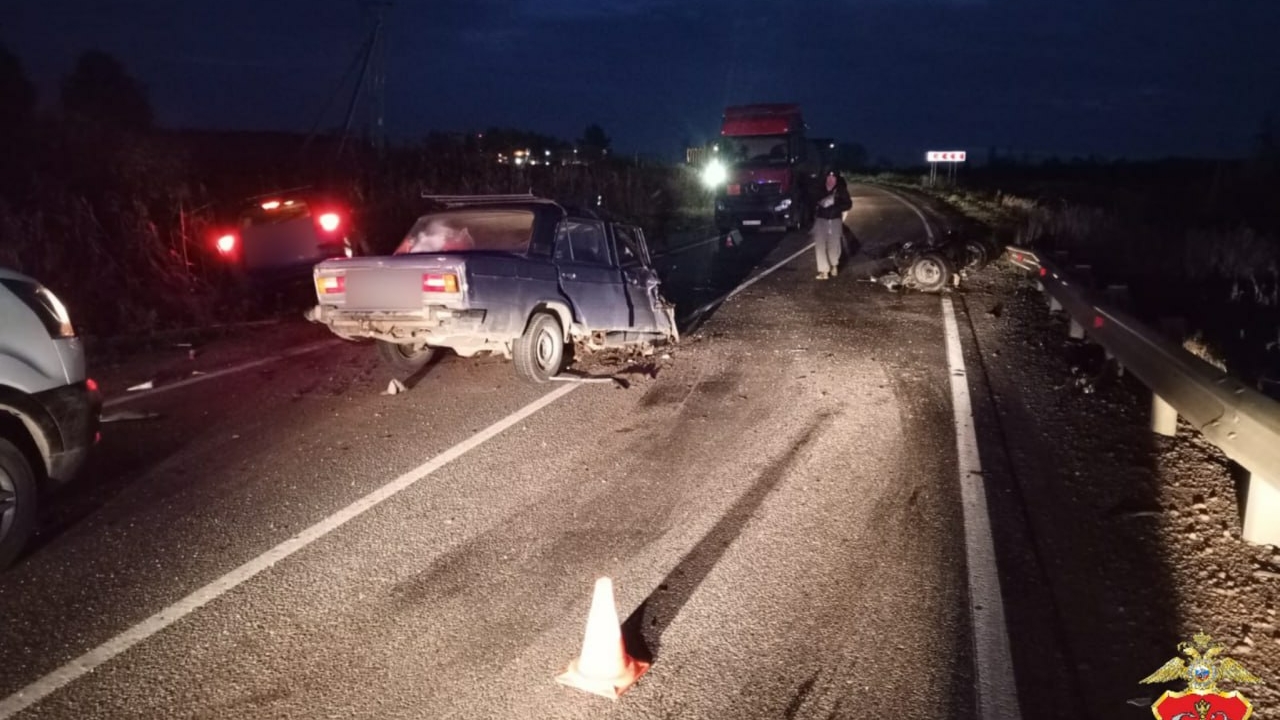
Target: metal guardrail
1240	421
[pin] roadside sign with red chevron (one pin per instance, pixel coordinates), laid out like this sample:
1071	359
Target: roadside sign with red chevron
945	156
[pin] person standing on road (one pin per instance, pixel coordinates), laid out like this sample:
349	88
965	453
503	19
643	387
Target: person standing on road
828	224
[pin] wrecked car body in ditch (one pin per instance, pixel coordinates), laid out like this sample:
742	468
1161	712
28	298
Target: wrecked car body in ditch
934	265
515	275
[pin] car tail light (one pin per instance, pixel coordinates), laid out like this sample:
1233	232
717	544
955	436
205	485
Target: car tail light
1043	272
226	244
91	385
734	189
440	282
331	284
329	221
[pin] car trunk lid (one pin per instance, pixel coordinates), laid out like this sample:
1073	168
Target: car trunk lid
396	283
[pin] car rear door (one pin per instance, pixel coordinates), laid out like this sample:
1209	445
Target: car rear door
588	275
638	278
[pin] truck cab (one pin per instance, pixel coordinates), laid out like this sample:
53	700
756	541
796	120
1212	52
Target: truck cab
763	169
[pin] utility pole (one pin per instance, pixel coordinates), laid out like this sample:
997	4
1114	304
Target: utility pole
370	59
374	58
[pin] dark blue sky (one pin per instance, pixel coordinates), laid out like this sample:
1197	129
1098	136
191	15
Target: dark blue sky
1074	77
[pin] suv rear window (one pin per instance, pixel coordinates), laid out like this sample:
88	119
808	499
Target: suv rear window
273	215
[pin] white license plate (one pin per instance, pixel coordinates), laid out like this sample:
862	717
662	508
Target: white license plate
750	222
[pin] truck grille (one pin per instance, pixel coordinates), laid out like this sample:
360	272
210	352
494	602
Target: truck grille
762	189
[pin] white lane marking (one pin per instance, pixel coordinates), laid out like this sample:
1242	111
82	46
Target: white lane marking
993	662
927	227
751	281
86	663
302	350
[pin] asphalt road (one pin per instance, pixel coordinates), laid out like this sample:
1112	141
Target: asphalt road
776	502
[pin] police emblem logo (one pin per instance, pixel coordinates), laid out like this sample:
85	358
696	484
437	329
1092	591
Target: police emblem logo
1204	667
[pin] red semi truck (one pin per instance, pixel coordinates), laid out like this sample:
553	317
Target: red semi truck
763	169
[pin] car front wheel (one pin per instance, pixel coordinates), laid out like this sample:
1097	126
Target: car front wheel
931	273
539	353
17	502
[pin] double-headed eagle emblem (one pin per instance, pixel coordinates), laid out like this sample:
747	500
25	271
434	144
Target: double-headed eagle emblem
1202	670
1205	669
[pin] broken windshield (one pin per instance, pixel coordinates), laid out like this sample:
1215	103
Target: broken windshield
470	231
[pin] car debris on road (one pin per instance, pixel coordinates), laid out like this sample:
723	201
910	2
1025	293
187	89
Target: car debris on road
934	265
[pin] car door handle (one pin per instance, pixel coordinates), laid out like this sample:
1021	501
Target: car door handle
569	275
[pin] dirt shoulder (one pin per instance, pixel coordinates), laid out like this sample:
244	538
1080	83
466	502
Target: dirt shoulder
1137	535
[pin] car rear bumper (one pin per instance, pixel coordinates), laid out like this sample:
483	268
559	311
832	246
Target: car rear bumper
73	413
431	323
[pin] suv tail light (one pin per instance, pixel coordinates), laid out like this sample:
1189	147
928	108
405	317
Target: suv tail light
440	282
226	244
329	222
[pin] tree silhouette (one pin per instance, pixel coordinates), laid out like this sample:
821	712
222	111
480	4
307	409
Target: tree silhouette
17	93
100	91
594	142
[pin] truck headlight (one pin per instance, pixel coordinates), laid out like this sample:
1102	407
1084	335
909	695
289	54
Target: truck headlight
714	174
786	203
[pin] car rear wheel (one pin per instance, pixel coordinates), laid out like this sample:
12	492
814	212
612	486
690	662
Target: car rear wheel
539	353
405	358
17	502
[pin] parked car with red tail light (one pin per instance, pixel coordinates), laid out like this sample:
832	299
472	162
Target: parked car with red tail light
283	235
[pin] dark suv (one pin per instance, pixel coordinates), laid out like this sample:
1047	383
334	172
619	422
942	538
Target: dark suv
283	235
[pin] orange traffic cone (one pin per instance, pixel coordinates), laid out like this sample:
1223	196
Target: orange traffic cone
604	667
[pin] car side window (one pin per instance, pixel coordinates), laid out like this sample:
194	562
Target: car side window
586	242
562	252
628	245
